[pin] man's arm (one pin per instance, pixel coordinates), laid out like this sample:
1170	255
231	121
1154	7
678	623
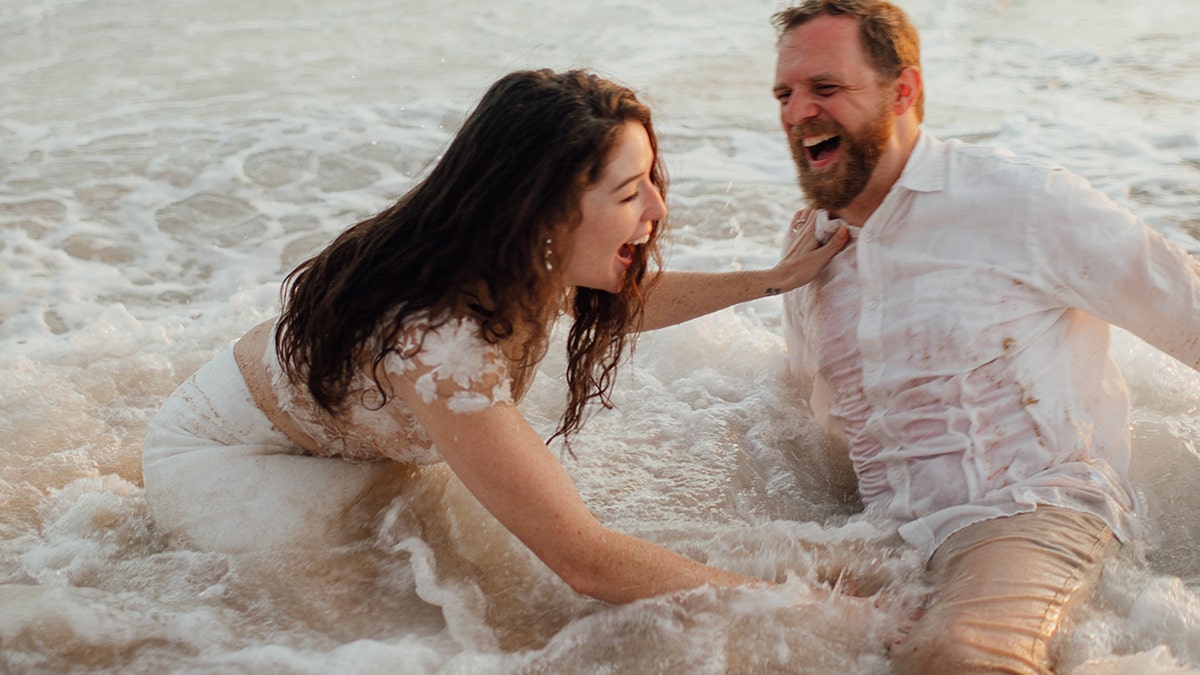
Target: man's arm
1110	264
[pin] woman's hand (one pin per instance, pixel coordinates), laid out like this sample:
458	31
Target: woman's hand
676	297
501	460
805	256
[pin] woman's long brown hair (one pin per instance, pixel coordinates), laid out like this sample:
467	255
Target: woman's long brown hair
475	237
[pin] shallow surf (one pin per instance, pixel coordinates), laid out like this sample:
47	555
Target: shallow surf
166	163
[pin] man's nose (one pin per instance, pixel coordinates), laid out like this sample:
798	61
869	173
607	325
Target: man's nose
799	109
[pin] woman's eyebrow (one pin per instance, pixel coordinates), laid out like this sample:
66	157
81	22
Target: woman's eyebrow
625	182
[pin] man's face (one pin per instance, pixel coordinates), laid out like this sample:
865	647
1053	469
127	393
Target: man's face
837	114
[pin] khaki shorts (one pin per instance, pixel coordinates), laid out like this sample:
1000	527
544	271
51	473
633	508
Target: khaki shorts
1001	588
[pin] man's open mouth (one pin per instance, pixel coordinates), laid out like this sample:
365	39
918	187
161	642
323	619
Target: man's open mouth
821	147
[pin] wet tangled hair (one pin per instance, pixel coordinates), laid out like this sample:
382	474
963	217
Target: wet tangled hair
474	238
888	36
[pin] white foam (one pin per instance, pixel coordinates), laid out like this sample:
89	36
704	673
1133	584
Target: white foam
167	163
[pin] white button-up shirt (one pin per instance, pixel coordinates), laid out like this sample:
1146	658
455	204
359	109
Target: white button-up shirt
960	344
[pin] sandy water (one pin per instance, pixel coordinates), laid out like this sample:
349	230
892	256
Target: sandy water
165	163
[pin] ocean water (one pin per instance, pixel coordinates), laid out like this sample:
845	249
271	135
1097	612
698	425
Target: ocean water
165	163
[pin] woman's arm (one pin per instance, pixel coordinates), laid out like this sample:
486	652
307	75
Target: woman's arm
506	466
676	297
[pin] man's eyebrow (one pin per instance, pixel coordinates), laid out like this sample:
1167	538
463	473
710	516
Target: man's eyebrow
819	78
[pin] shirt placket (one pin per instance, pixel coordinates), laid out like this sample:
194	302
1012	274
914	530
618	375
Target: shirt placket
871	327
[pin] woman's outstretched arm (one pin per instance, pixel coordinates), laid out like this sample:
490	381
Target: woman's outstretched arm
676	297
506	466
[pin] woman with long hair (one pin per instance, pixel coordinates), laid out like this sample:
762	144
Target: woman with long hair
411	337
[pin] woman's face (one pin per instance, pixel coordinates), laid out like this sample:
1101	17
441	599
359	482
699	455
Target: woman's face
618	214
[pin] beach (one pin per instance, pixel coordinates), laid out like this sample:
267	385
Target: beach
167	163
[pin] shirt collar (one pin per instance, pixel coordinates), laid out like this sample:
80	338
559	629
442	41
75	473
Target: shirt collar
925	170
826	226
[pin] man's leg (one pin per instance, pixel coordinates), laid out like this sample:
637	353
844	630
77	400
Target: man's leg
1001	588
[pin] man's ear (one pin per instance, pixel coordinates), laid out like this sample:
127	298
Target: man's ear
907	90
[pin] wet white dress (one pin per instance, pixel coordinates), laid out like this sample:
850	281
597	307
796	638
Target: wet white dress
220	476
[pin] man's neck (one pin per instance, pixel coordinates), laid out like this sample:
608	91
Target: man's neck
886	173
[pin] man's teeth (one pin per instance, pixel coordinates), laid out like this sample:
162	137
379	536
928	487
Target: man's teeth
810	141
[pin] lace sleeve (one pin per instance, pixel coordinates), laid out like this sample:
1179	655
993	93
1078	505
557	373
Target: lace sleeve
453	363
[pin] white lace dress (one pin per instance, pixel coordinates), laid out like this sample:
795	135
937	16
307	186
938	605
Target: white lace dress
451	362
219	476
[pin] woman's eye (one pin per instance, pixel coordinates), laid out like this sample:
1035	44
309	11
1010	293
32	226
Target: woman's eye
629	198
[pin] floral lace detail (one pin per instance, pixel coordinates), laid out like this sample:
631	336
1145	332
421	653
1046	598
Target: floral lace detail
451	362
454	363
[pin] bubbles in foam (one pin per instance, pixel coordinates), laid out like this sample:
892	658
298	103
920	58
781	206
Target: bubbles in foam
165	167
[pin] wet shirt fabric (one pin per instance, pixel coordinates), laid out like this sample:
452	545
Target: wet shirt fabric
959	346
446	359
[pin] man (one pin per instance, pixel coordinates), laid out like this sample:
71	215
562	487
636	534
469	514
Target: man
959	345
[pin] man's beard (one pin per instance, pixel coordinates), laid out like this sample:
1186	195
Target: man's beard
834	188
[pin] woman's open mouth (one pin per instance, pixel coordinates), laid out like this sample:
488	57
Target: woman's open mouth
628	249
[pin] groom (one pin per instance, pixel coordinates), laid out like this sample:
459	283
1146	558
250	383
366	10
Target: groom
959	345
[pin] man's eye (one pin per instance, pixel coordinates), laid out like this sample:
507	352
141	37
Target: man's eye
783	97
825	89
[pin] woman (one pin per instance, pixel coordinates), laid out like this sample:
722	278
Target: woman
411	337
